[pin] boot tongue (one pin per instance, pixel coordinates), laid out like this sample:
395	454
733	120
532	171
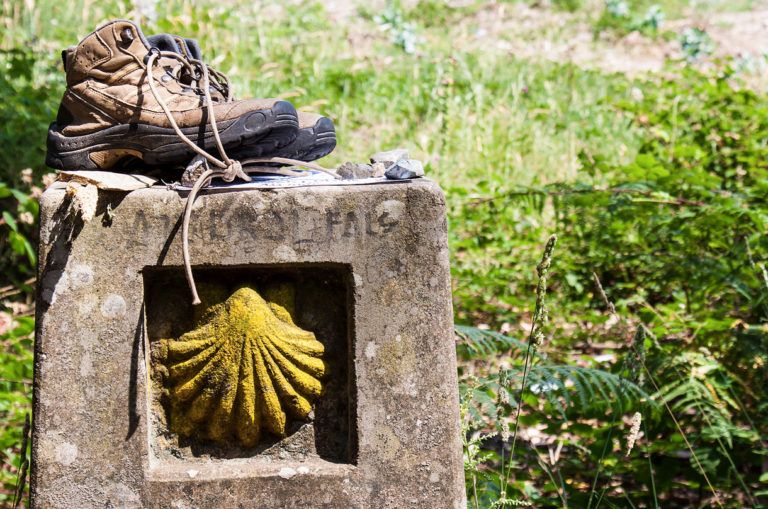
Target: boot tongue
188	48
164	42
185	47
193	48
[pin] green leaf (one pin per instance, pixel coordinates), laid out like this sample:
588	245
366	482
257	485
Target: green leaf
10	221
22	246
21	197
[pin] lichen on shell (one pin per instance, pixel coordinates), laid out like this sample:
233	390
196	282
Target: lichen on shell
245	367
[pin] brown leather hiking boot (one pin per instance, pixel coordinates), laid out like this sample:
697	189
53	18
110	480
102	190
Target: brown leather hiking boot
316	137
115	107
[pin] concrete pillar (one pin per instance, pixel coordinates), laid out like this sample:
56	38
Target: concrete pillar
368	268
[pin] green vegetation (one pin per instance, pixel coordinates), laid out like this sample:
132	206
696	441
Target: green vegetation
618	17
655	186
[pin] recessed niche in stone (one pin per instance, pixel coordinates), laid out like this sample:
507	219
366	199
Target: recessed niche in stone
305	313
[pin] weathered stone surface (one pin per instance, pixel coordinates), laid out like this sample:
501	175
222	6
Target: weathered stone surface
389	157
108	180
378	169
374	255
349	171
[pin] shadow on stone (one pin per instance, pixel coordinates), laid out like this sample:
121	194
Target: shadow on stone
65	228
134	416
169	240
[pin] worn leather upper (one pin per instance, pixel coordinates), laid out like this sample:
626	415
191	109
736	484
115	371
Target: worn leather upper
190	48
107	84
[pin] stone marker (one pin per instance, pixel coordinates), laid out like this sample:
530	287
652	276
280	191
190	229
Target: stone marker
389	157
319	372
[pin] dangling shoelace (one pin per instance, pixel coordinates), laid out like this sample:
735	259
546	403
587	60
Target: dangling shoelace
225	168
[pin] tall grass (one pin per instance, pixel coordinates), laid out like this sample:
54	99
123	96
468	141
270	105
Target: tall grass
522	148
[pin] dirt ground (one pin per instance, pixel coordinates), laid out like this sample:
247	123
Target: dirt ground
545	33
542	32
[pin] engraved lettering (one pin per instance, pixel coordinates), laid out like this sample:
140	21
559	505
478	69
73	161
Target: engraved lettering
332	219
297	221
140	230
387	222
216	231
276	226
351	228
369	223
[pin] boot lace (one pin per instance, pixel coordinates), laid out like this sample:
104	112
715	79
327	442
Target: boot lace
225	168
191	75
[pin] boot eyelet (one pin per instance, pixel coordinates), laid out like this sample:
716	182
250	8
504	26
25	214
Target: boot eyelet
152	51
126	36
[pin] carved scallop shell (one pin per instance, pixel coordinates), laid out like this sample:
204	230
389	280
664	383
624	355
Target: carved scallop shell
243	369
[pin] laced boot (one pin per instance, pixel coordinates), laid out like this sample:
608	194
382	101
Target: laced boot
190	49
316	137
127	99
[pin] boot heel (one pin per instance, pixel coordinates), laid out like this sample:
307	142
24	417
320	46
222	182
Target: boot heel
74	161
68	153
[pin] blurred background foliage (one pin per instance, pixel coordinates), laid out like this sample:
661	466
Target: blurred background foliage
635	131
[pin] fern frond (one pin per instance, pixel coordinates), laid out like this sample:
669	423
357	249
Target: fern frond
693	397
477	343
594	388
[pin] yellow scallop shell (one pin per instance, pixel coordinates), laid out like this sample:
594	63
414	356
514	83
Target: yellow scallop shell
244	369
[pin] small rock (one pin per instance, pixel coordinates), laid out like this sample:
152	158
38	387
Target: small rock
84	199
194	169
303	470
379	169
287	472
389	157
405	169
350	171
192	473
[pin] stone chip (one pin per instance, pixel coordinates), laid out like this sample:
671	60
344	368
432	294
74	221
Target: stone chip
405	169
352	171
389	157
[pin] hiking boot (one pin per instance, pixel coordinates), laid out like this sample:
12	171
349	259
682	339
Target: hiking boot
115	108
316	137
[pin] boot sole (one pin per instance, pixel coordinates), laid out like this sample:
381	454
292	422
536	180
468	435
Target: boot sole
311	143
258	132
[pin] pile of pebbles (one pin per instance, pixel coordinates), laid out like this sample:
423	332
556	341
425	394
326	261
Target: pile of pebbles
392	164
